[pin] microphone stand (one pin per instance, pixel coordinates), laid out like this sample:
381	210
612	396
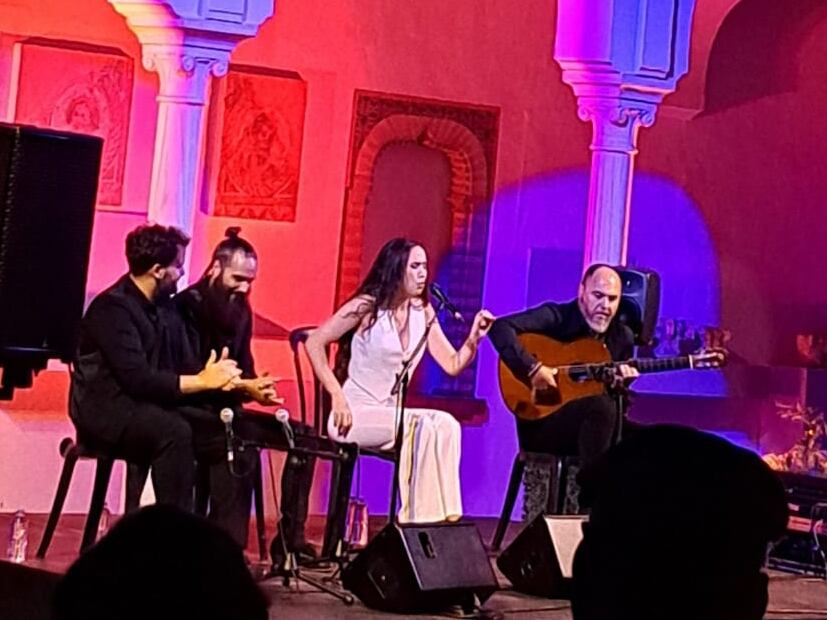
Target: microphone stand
292	570
400	390
606	375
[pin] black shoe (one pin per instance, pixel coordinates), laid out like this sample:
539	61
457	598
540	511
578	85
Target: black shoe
305	554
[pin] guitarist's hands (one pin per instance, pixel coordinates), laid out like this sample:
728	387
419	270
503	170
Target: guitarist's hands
544	378
624	375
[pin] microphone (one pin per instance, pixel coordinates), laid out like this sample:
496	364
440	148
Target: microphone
283	416
442	298
226	416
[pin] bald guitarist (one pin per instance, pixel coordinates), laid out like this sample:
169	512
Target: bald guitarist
586	426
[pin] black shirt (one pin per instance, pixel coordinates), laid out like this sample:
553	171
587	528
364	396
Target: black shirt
123	360
563	322
207	327
206	332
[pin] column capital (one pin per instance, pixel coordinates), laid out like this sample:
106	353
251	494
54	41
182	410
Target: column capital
615	121
184	71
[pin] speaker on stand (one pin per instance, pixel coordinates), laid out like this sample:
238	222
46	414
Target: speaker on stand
639	302
422	568
539	560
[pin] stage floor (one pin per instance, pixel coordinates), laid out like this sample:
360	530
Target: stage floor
792	597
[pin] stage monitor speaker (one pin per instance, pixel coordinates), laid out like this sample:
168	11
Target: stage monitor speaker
418	568
48	187
539	560
640	302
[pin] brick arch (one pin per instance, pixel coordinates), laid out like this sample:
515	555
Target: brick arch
466	135
469	182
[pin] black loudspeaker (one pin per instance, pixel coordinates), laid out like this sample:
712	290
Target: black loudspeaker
417	568
540	558
640	302
48	186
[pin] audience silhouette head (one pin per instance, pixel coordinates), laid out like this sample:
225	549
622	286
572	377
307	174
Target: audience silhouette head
679	528
161	563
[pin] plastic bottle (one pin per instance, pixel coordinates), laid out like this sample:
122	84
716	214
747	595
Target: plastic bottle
18	538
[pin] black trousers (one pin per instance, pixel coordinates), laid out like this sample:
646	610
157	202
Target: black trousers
256	430
231	492
161	439
586	427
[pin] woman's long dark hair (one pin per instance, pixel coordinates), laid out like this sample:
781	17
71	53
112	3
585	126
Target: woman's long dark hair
383	282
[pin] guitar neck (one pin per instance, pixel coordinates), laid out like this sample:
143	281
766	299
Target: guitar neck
646	365
579	372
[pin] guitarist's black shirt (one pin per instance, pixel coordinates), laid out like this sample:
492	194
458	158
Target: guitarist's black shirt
563	322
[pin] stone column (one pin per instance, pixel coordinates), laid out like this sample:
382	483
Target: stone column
621	57
614	146
178	160
187	44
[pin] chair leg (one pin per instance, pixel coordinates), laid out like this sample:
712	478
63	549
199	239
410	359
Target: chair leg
508	505
563	485
103	471
341	479
258	498
70	457
556	487
136	476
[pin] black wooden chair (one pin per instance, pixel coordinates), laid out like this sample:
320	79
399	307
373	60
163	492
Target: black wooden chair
72	451
558	467
136	476
341	476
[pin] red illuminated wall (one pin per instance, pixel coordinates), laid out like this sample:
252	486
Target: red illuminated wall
415	50
754	165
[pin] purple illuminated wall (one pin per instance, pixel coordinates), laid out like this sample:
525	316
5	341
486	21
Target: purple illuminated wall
535	254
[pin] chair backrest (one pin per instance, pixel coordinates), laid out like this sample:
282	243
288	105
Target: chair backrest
321	399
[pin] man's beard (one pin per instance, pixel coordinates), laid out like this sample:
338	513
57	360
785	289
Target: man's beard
224	309
166	289
597	324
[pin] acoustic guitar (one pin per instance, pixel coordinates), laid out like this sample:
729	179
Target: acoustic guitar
581	365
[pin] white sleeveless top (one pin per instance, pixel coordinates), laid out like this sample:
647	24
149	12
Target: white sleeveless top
376	354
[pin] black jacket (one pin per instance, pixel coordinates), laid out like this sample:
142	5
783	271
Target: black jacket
563	322
205	333
123	361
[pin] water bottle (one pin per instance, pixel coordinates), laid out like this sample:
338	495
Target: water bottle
18	538
357	524
103	524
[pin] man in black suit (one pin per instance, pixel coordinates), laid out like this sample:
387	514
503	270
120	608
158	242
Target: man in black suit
585	427
125	388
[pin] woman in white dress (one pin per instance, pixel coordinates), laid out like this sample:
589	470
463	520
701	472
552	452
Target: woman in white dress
377	330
